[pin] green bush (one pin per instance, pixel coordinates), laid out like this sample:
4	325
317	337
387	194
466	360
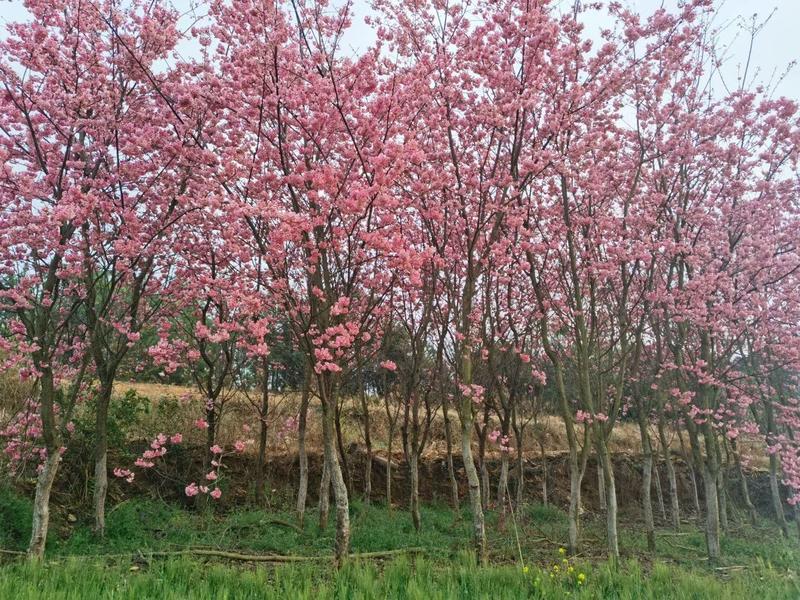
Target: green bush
16	513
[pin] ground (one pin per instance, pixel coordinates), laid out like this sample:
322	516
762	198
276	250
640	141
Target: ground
757	564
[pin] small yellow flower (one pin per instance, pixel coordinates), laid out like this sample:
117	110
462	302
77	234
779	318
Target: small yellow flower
525	569
581	577
570	569
556	568
562	551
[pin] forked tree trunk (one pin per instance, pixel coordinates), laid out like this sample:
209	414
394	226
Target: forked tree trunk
101	457
41	505
302	486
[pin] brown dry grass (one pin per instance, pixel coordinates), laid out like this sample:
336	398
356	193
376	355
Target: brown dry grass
239	412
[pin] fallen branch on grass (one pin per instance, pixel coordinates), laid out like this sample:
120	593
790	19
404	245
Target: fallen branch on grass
271	558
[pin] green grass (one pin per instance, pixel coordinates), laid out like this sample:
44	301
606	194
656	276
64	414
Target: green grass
758	564
78	579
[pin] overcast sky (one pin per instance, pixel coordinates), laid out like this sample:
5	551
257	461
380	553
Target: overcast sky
776	46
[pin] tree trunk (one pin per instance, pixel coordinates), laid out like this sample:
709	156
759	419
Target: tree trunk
101	457
647	502
324	494
660	492
723	501
484	483
302	486
601	487
520	488
345	466
544	474
389	472
367	442
342	541
611	497
573	513
478	526
414	500
675	506
712	514
261	464
41	505
745	489
647	484
451	472
502	484
775	491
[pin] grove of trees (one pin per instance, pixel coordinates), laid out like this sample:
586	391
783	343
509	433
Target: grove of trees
486	215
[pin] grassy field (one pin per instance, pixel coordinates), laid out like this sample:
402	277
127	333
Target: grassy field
758	564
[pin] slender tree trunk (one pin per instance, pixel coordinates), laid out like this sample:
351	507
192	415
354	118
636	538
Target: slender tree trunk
745	488
345	466
484	483
647	484
573	513
451	472
302	486
544	474
712	514
775	491
671	477
611	497
601	486
342	541
389	470
324	494
41	505
502	484
414	500
693	476
101	457
723	501
520	491
367	443
660	493
261	464
478	526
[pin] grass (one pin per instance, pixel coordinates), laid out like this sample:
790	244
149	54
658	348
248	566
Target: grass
76	578
758	563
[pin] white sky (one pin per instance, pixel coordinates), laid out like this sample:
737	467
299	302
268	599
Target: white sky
776	47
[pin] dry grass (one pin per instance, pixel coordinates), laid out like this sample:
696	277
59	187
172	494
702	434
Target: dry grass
239	412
